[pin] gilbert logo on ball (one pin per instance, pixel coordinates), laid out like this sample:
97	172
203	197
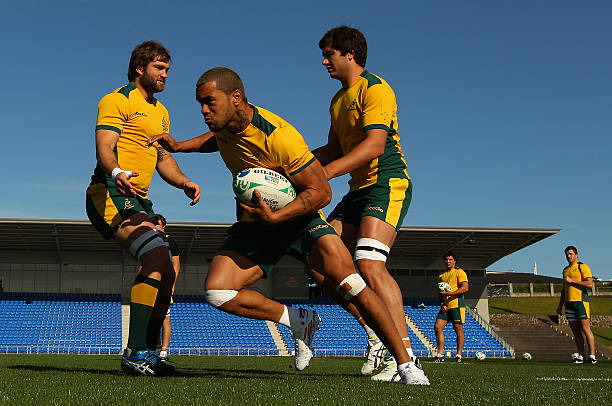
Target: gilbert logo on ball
276	190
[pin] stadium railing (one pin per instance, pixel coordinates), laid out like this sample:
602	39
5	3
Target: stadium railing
491	331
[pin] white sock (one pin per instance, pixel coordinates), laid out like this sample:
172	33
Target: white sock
290	317
369	331
410	353
592	356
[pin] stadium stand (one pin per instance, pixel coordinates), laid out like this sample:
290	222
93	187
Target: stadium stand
477	338
198	328
91	324
60	323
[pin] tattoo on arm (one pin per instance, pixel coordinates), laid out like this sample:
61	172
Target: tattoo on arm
305	198
161	154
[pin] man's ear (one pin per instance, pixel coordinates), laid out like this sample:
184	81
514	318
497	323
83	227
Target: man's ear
236	97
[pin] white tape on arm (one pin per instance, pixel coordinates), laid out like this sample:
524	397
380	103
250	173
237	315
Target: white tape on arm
118	170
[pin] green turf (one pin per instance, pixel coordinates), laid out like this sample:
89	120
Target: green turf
247	381
543	305
603	335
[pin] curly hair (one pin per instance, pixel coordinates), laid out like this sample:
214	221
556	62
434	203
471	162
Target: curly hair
145	53
346	39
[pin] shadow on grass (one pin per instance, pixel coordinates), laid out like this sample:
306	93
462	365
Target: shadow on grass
194	372
45	368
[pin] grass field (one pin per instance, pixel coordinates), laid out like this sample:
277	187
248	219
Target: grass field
543	305
97	380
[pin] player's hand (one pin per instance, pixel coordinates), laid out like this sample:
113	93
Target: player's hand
192	190
262	212
124	186
165	140
444	309
567	279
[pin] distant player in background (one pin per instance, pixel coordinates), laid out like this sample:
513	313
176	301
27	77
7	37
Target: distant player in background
577	280
249	136
363	141
452	306
116	200
166	330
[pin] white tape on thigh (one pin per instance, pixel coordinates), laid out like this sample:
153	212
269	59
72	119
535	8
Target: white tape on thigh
369	248
145	243
217	298
351	286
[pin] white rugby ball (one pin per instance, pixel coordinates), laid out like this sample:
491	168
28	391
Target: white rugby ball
275	189
527	356
480	355
444	287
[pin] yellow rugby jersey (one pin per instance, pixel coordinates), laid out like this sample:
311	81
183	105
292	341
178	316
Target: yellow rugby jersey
572	293
267	142
135	119
453	277
368	103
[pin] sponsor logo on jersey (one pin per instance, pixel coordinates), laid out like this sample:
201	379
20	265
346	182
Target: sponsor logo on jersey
352	106
139	114
375	208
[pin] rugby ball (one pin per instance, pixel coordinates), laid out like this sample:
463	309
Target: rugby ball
527	356
275	189
444	287
575	356
480	355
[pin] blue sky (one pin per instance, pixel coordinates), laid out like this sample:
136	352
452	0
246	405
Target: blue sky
504	107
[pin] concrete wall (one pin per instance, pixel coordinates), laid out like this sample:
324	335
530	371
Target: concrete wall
91	272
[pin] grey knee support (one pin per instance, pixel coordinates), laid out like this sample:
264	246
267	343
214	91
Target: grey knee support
145	243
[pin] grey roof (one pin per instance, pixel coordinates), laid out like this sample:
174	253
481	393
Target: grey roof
479	246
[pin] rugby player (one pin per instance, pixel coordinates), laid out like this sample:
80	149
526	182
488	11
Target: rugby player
250	136
116	200
363	141
452	306
577	280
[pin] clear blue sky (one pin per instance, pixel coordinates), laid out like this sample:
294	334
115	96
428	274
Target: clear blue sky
504	107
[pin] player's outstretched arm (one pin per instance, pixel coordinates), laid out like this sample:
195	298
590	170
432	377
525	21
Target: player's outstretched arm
169	170
315	194
202	143
370	148
106	141
330	151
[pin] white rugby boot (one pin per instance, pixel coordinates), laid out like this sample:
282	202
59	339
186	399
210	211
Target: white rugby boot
303	335
411	374
389	372
375	355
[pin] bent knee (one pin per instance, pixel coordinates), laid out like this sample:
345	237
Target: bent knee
219	297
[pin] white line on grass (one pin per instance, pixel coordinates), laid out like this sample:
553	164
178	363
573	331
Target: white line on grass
573	379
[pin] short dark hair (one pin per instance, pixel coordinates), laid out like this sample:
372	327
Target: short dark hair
161	219
346	39
226	79
450	254
571	247
145	53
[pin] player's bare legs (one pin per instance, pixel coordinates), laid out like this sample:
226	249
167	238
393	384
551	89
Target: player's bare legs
230	273
578	339
331	258
585	326
439	330
460	337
